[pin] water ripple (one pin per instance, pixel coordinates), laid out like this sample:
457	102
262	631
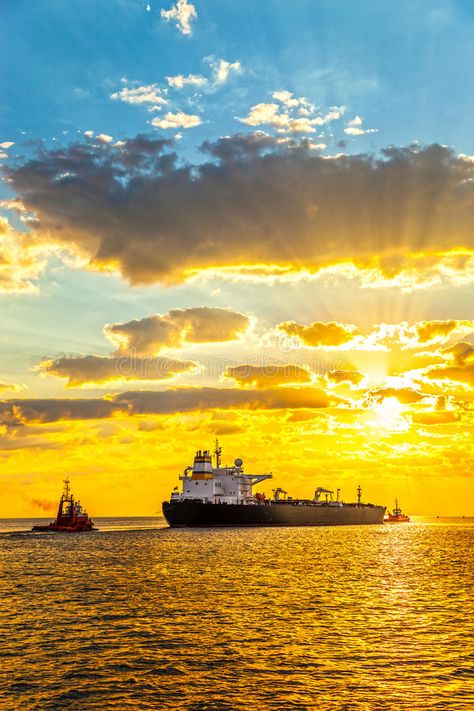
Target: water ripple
351	619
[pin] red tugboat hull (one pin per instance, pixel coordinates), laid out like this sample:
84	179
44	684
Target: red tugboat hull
65	529
396	519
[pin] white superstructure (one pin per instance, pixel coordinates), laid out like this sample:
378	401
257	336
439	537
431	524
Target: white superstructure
217	484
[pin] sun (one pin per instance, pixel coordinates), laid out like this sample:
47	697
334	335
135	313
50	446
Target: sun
390	415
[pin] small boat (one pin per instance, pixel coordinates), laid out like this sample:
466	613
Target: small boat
396	516
71	517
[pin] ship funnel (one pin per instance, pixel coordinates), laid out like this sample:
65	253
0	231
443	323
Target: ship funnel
202	462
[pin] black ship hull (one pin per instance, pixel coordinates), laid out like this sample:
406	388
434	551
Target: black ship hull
198	514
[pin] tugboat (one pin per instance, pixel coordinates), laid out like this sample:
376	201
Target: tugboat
71	517
396	516
222	496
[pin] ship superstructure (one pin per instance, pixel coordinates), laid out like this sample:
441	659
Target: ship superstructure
219	485
223	496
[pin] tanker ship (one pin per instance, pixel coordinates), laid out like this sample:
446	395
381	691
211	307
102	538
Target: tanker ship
223	496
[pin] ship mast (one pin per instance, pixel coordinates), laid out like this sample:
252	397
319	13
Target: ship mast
66	491
359	492
218	452
65	496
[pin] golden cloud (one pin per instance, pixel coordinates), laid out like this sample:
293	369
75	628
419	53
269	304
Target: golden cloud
319	333
202	324
10	386
435	417
462	369
403	395
21	260
440	331
383	336
268	376
345	376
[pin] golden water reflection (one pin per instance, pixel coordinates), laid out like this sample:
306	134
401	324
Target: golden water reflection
355	618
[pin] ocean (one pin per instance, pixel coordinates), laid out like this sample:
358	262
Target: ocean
140	616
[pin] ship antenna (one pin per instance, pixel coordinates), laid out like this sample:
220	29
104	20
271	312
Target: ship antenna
359	491
218	452
66	491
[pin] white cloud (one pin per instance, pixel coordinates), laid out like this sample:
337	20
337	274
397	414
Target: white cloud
354	127
104	138
355	131
179	81
306	108
356	121
298	125
334	114
285	120
89	134
308	143
222	69
265	114
282	96
301	143
177	120
7	144
183	12
150	94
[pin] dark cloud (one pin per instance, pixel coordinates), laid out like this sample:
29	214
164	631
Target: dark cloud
138	209
202	324
18	412
268	376
188	399
101	369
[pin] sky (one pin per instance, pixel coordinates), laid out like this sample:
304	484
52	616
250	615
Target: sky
251	221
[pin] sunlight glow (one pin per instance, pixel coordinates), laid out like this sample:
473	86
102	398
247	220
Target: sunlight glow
389	415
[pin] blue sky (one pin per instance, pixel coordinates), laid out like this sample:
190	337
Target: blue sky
403	67
392	72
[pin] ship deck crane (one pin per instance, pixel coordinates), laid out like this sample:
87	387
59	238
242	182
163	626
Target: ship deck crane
320	490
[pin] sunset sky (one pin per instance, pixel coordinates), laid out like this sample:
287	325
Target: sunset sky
250	220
